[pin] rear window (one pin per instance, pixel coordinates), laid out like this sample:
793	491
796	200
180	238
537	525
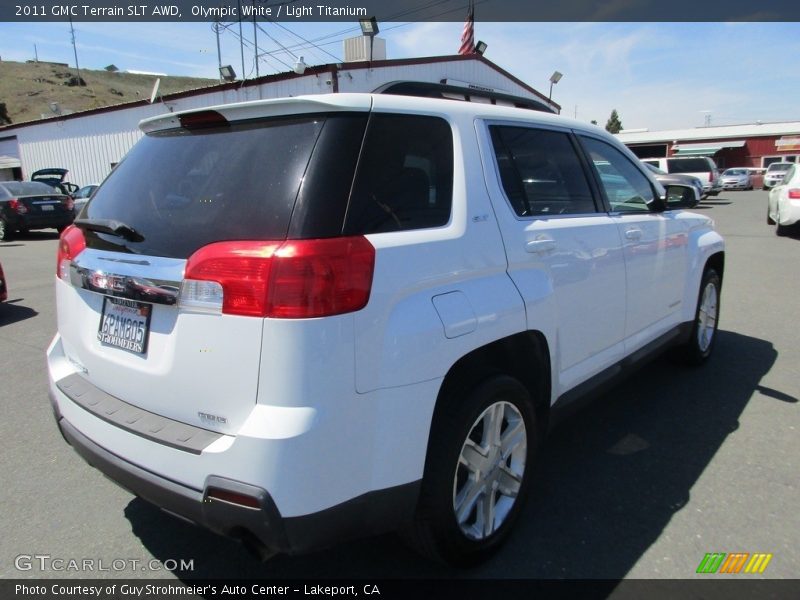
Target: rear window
689	165
29	188
183	189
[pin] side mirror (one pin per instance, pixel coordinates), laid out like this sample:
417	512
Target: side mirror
681	196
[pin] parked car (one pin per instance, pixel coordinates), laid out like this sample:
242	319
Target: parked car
702	167
81	197
26	205
3	286
337	315
55	178
666	179
737	179
783	204
775	173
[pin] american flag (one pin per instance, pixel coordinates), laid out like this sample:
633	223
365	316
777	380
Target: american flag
468	34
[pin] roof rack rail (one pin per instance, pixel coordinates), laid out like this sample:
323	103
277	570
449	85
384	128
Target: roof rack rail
426	89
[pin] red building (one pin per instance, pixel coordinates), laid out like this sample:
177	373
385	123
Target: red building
755	145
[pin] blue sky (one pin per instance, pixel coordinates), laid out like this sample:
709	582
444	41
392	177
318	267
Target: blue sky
657	75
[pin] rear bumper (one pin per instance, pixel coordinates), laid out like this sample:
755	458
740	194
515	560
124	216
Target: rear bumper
262	529
41	221
288	473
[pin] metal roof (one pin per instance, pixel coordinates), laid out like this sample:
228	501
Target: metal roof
711	133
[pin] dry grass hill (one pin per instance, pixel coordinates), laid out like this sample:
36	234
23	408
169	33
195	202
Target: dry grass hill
28	89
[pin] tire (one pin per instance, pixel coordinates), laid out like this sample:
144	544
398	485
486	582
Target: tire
464	461
6	233
704	329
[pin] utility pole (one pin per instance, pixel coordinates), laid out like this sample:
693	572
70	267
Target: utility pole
216	27
255	40
75	50
36	53
241	39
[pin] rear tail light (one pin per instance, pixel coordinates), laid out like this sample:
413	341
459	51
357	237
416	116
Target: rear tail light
68	203
794	194
17	206
294	279
711	176
70	244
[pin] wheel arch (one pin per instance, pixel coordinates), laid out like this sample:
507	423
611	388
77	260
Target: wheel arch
524	356
717	262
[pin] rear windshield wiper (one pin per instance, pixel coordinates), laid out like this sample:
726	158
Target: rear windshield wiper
110	226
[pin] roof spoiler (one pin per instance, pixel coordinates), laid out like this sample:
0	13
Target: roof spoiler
452	92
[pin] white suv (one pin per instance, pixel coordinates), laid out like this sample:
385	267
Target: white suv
295	321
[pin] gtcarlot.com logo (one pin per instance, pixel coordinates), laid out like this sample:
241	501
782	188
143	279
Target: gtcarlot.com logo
46	562
734	563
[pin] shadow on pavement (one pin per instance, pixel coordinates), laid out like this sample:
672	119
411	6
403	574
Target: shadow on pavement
608	482
12	313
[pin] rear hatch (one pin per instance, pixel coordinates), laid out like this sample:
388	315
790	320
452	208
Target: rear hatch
227	180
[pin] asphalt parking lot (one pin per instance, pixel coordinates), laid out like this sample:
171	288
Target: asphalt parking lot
671	465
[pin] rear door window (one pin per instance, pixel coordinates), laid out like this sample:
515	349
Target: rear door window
404	178
541	172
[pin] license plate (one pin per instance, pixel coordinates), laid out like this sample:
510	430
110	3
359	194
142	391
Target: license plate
46	207
125	324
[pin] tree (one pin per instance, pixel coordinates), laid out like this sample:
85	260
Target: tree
614	125
594	122
4	118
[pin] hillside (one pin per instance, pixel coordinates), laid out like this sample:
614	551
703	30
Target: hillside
28	89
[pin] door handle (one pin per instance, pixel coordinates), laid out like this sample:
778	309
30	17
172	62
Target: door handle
540	246
633	234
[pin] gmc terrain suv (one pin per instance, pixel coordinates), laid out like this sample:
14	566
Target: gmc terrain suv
300	320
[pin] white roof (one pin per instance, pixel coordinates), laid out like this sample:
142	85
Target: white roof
710	133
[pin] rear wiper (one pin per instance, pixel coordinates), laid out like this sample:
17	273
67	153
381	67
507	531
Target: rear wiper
110	226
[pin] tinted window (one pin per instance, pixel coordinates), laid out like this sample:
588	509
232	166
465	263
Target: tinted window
689	165
184	189
541	172
29	188
626	187
405	176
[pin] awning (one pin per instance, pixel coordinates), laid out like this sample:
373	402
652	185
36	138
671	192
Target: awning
707	149
9	162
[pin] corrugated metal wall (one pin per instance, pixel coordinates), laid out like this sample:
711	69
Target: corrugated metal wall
88	145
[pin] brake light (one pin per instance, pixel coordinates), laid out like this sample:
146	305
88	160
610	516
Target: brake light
794	194
294	279
68	203
17	206
203	119
70	245
711	176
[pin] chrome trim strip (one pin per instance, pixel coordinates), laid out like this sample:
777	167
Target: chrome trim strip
149	279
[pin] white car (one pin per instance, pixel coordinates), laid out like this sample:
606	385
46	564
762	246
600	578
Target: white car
775	174
337	315
783	207
702	167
